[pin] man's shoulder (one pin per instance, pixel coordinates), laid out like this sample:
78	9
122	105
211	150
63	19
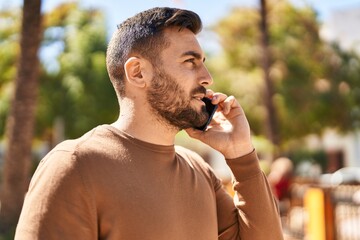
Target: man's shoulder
95	141
94	138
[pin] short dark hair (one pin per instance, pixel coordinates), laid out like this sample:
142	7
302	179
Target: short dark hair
143	34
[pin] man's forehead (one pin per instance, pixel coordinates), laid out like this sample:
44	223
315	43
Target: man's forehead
183	42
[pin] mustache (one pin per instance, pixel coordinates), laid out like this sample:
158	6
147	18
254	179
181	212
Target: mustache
199	89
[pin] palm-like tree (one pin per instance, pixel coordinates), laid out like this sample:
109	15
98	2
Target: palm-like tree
20	121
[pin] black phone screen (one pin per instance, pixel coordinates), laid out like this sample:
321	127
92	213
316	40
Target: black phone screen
211	109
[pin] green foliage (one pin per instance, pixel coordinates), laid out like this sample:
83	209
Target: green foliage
80	92
315	157
9	235
9	49
344	76
74	86
316	84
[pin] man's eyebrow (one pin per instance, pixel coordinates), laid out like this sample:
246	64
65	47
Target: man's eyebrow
194	54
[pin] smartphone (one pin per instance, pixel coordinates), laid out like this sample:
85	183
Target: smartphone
211	109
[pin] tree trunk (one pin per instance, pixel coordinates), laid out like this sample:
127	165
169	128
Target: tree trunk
20	122
271	120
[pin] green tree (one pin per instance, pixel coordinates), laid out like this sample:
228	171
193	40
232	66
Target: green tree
271	123
74	87
343	93
314	83
79	92
21	118
9	49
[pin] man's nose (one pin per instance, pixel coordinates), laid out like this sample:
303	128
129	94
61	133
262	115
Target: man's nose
205	77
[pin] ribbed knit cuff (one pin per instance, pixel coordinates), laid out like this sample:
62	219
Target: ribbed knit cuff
244	167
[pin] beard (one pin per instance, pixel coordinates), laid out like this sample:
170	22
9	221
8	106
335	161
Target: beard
169	100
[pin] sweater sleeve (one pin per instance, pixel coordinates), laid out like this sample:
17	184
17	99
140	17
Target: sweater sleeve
253	213
58	204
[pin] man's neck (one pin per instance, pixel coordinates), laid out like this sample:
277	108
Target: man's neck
144	125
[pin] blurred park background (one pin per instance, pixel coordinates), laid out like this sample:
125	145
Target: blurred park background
293	65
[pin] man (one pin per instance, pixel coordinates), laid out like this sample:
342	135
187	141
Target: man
127	180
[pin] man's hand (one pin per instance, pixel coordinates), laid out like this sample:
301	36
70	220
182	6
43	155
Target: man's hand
229	131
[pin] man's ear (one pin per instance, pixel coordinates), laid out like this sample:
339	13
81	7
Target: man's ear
136	71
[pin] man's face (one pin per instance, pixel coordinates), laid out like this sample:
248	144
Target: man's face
179	83
173	104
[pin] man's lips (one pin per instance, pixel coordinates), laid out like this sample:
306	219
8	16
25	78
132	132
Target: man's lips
199	96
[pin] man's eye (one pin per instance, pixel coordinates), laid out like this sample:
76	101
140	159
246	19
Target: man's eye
190	60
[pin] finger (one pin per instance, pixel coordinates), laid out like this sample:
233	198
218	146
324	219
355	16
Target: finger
218	98
209	93
228	104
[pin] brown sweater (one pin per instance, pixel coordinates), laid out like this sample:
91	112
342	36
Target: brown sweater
109	185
